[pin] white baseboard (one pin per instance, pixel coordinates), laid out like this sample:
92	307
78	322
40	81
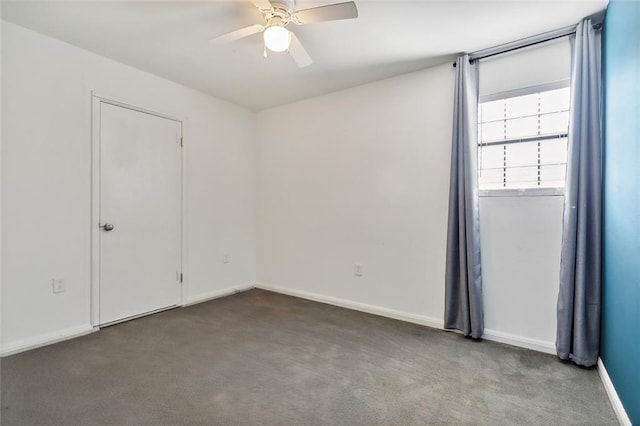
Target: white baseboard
356	306
496	336
192	300
58	336
618	408
46	339
521	341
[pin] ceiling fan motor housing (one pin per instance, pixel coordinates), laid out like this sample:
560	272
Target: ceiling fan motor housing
278	16
287	5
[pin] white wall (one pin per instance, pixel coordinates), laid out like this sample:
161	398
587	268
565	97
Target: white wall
530	66
359	176
362	176
1	269
46	165
520	242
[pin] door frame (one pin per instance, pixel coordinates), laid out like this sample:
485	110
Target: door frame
94	293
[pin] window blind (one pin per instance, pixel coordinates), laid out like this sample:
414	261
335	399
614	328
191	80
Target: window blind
522	140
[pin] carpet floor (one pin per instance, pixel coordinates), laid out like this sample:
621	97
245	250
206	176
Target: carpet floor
261	358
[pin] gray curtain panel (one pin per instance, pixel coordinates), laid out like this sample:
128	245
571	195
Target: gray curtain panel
463	280
578	336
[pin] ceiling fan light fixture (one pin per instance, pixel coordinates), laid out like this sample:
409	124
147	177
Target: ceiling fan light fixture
277	38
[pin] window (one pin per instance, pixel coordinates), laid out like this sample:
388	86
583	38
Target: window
522	140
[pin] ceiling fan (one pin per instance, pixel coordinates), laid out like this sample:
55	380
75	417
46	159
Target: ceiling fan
280	13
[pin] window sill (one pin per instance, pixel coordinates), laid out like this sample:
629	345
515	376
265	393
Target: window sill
522	192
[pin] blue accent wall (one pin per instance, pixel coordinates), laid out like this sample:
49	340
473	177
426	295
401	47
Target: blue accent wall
620	349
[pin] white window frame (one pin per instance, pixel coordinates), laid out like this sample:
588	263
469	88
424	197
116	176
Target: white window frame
522	192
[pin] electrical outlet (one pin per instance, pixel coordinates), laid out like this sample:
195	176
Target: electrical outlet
225	258
58	285
357	270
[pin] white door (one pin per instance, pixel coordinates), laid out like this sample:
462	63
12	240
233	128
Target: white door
140	213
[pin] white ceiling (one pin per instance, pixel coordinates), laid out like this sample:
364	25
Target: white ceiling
390	37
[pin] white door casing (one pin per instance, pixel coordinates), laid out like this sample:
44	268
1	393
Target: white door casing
138	264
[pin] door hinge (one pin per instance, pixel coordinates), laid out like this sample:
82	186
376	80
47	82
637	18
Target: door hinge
181	142
180	276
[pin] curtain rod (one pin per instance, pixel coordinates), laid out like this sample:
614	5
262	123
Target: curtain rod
525	42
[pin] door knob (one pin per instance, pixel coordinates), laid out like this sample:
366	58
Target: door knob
107	227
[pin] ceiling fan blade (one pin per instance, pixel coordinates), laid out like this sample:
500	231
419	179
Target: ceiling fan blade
261	4
298	53
237	34
332	12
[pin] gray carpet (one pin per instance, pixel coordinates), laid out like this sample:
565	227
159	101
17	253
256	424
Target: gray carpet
260	358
